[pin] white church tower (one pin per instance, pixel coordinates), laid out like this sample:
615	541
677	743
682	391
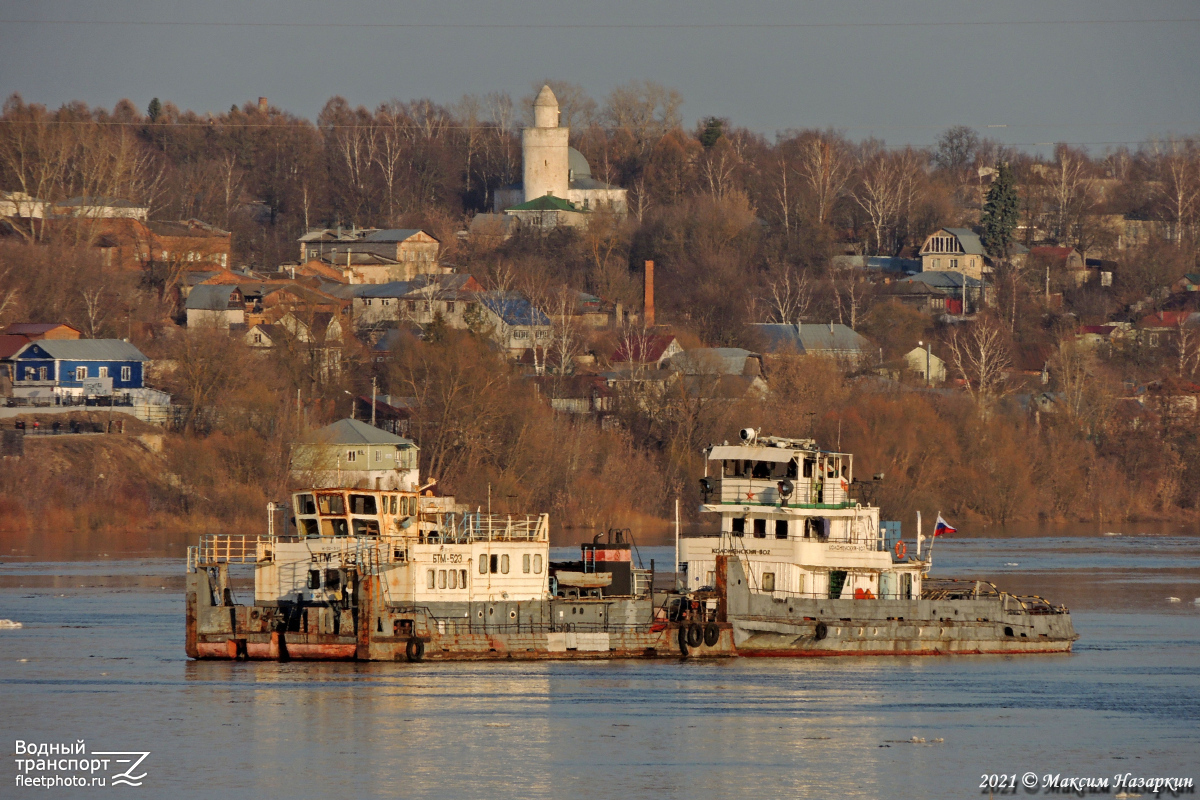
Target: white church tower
545	150
553	167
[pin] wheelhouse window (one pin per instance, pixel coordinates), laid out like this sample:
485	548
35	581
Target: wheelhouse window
305	504
362	504
331	504
781	529
504	564
483	563
526	563
739	526
430	577
537	564
760	529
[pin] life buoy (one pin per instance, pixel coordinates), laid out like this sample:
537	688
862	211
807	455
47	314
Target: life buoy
711	634
695	635
415	649
683	637
901	550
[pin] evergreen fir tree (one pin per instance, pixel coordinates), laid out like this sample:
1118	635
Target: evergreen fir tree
1000	213
154	109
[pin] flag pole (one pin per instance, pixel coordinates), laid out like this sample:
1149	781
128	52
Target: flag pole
918	534
934	539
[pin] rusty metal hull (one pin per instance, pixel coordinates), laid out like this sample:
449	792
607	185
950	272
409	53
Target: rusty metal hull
743	623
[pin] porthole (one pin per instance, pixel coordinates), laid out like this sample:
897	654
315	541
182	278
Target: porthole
512	614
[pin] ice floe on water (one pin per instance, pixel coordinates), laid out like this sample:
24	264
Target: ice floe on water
8	624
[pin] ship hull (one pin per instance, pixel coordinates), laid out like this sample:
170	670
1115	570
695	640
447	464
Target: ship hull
744	624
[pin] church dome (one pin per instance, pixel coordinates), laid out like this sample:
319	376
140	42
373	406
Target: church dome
577	165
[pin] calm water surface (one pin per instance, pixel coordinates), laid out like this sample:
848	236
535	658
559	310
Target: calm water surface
100	657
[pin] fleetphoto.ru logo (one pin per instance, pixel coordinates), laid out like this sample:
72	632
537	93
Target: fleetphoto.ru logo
45	765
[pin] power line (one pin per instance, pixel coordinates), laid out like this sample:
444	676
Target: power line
594	25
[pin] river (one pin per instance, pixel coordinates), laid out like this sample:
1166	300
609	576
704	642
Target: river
99	658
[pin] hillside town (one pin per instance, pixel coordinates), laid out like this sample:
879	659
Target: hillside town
558	303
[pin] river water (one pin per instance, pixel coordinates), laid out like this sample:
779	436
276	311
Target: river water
100	658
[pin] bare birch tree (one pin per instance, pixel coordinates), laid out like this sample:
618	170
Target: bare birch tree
980	355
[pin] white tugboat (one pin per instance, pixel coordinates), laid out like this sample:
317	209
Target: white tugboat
823	575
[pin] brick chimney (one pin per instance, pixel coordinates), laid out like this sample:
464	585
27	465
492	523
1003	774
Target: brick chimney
262	105
649	294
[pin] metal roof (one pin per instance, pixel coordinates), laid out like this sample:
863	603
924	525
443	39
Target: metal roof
513	308
352	431
546	202
88	350
943	280
811	338
392	235
969	240
210	297
712	360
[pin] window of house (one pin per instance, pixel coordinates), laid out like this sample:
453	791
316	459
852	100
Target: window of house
350	455
483	563
103	372
441	579
430	577
768	582
450	307
29	372
379	455
43	373
81	373
412	305
504	564
384	302
537	564
760	529
367	301
425	305
543	334
258	338
525	563
954	263
520	334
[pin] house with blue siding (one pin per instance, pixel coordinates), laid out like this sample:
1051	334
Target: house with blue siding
71	368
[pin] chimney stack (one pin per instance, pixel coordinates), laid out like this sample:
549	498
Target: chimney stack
649	294
262	105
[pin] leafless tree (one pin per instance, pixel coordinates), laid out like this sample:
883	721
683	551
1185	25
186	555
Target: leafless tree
879	193
1181	186
826	169
790	296
980	355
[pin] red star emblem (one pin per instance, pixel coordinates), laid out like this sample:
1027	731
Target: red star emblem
749	495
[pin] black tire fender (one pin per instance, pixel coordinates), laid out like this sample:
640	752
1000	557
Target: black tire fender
415	649
712	634
820	631
683	637
695	635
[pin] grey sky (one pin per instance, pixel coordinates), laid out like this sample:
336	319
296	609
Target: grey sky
903	83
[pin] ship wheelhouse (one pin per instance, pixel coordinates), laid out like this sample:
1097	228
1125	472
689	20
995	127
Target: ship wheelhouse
788	508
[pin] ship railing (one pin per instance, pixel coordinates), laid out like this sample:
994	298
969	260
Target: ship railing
503	527
785	594
229	548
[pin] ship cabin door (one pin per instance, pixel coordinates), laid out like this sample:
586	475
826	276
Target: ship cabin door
887	585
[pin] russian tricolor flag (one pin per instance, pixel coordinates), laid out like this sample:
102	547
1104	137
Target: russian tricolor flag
943	527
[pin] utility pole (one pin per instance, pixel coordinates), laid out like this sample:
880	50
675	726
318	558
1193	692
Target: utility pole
372	402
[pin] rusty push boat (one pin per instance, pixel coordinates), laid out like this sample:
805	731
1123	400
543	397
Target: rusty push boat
797	568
